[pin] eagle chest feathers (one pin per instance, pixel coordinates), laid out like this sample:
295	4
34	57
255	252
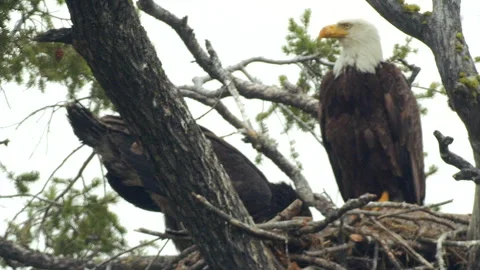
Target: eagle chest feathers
360	124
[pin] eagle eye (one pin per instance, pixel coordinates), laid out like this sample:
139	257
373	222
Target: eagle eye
346	26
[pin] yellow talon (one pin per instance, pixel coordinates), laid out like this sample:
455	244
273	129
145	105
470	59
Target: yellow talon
385	197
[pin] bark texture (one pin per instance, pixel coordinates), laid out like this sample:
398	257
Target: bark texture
109	36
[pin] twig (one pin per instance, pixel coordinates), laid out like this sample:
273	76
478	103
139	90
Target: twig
441	239
298	222
127	251
324	204
198	265
70	185
401	241
323	263
349	205
165	235
5	142
260	59
180	256
467	170
330	250
237	223
451	243
288	213
375	257
35	196
406	217
378	239
225	79
416	208
300	122
156	256
43	187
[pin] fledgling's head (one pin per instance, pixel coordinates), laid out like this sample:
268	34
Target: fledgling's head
361	47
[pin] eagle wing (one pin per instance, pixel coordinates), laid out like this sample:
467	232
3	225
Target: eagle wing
403	116
345	190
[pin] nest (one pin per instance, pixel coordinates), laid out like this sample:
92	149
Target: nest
377	236
389	238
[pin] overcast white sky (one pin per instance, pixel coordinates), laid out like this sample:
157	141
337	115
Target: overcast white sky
237	30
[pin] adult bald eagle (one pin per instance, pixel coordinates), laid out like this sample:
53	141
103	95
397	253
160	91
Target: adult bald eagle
131	174
369	119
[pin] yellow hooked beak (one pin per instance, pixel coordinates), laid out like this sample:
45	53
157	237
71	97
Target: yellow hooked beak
332	31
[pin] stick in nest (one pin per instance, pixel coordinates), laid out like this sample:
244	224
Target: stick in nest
401	241
262	234
443	237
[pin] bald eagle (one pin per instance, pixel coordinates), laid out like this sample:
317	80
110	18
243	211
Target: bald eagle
131	173
369	119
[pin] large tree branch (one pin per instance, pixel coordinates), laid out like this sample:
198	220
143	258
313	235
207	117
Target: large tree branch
394	11
210	64
442	32
250	90
37	259
109	36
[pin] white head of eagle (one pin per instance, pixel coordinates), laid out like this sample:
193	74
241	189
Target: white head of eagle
361	47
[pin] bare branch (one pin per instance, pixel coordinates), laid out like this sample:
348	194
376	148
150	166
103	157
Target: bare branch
402	241
185	253
251	230
349	205
413	24
5	142
330	250
166	235
441	239
224	78
32	258
288	213
467	170
252	90
324	264
259	59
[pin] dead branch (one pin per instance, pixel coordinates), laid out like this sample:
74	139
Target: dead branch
5	142
400	240
467	170
165	235
333	249
237	223
224	78
260	59
288	213
37	259
106	262
349	205
325	264
185	253
440	252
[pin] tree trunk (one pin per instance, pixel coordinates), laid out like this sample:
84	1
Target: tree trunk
109	36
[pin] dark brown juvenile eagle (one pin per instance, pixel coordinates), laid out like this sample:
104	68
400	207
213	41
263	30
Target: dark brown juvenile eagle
369	119
126	164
